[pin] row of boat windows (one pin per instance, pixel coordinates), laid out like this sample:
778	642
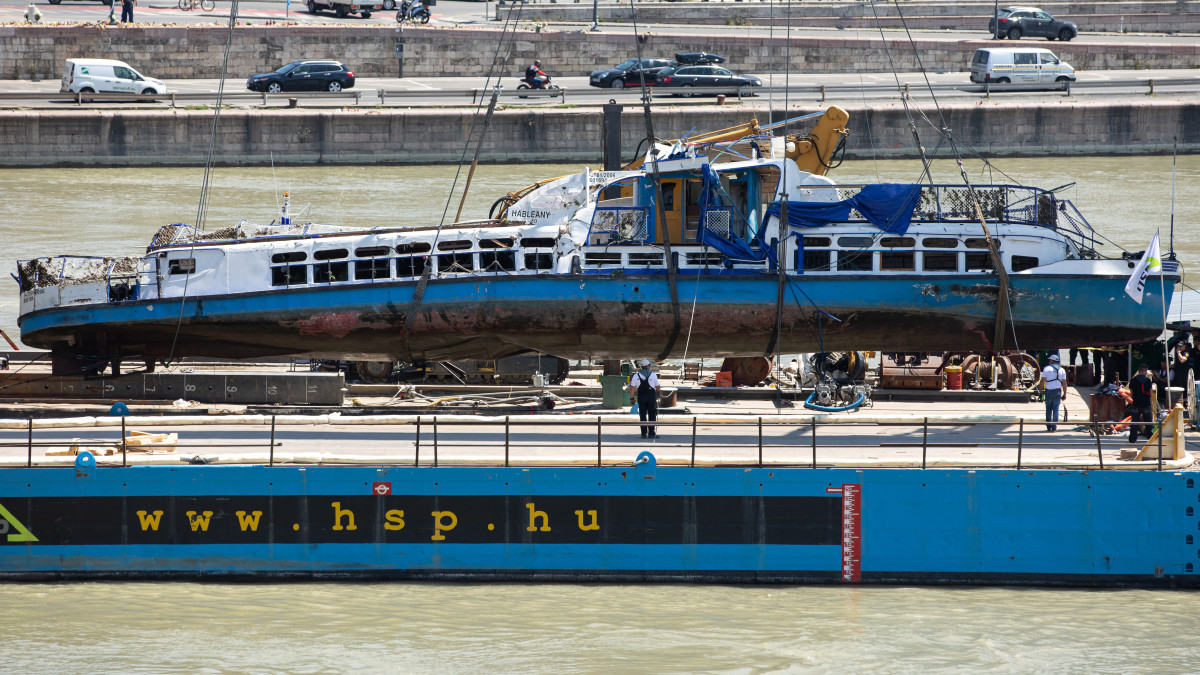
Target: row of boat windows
906	261
409	249
408	267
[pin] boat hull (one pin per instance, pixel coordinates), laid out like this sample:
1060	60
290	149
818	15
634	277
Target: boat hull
639	523
618	316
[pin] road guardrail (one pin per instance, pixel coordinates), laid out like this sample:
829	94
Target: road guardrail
596	96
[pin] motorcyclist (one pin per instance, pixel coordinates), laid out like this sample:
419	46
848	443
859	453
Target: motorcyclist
535	77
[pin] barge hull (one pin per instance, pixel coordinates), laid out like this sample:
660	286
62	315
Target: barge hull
628	523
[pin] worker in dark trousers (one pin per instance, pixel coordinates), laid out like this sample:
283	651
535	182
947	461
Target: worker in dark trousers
1141	389
1054	378
644	385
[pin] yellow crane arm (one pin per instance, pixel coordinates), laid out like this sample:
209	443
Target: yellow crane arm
812	153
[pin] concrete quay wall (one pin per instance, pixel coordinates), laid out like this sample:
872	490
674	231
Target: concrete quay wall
180	137
1151	16
196	52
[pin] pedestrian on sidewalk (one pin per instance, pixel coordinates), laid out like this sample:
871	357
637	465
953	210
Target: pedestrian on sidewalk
126	11
644	384
1054	378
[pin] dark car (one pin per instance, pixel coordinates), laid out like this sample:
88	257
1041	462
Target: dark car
304	76
697	77
628	73
1016	22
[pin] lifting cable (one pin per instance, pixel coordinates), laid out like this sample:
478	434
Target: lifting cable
1002	300
202	205
414	304
775	344
660	214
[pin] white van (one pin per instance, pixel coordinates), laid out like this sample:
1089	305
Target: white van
106	75
1029	65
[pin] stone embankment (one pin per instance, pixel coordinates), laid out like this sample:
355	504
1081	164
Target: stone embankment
1155	16
180	137
374	51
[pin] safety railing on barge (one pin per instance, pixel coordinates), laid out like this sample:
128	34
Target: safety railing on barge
432	443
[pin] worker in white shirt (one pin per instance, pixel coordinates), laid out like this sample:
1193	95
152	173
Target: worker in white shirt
1055	378
644	385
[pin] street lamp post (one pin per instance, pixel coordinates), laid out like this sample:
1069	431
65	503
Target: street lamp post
996	19
596	14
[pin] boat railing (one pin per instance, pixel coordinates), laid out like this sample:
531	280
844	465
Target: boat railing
819	441
688	258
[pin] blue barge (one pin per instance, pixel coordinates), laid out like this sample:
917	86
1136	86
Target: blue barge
639	522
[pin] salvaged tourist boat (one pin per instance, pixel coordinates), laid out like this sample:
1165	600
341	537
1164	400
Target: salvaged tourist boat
733	243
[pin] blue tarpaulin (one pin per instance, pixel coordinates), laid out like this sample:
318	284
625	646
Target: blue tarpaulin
888	206
734	247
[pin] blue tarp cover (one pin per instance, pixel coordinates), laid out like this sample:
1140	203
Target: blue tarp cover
734	248
888	206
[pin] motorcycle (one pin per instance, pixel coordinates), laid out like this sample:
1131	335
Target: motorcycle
528	83
412	10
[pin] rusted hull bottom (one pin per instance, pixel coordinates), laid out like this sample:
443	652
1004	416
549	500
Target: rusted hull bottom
603	317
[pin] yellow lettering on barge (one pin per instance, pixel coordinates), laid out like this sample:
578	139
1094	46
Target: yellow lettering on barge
150	520
199	521
443	521
593	526
534	515
23	533
395	520
338	513
249	521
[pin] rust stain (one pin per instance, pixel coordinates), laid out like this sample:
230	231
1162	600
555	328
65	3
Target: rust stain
337	324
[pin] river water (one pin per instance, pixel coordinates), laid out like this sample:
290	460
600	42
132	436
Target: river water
556	628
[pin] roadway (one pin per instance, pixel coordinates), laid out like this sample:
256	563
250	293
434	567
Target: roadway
802	89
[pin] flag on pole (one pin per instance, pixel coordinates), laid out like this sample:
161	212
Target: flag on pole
1150	262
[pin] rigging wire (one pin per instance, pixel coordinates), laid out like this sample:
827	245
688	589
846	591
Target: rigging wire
202	205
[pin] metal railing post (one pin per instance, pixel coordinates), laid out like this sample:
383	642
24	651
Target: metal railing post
1020	440
506	440
271	451
1160	435
1096	429
435	442
693	442
29	454
417	448
598	442
760	442
814	442
924	440
124	462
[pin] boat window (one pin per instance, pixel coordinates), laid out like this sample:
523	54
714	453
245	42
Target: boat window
410	267
939	242
977	242
495	243
645	259
454	245
816	241
415	247
703	259
289	275
456	262
855	261
854	242
897	242
601	259
897	260
324	273
1023	262
331	254
492	261
182	266
816	261
939	262
379	268
372	251
979	262
537	242
538	261
294	256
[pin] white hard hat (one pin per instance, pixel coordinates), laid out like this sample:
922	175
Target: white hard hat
644	362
